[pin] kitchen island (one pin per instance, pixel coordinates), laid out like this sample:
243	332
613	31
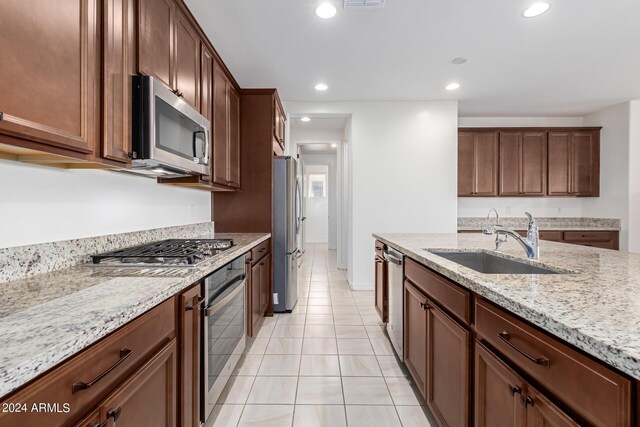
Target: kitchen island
587	315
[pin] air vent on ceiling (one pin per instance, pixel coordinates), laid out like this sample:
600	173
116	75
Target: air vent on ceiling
363	4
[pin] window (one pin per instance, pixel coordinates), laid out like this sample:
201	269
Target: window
317	185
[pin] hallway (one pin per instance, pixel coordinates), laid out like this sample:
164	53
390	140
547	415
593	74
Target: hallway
328	363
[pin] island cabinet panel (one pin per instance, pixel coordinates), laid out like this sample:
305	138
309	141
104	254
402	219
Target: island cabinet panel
542	412
50	74
448	369
156	40
498	392
119	65
88	377
415	335
148	397
595	393
190	328
478	163
381	288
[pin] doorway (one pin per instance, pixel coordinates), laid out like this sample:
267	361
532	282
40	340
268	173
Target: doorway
316	203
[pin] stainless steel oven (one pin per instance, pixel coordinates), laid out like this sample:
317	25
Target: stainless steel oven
223	330
170	138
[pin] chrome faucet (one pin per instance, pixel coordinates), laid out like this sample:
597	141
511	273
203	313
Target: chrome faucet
529	243
499	240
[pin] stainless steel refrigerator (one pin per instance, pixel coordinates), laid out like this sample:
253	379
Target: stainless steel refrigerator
287	226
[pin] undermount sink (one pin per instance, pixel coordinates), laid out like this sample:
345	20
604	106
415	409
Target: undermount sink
488	263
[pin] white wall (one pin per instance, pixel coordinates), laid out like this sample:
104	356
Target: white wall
403	171
614	168
514	206
634	177
40	204
316	208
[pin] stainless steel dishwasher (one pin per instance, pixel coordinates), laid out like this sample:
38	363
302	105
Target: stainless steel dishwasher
395	274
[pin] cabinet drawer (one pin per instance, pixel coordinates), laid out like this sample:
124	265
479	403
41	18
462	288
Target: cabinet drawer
596	393
259	251
446	293
380	249
122	352
588	236
554	236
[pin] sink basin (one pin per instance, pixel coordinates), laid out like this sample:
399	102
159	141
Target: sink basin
488	263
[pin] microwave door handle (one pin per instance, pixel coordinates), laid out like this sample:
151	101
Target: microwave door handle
193	141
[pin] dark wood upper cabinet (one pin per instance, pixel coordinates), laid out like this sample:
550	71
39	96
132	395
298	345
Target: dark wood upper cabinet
50	78
148	397
478	163
220	131
156	39
206	83
119	65
187	61
448	369
233	169
574	163
523	164
415	335
279	122
190	318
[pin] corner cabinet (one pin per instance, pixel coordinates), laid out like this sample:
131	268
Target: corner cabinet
478	163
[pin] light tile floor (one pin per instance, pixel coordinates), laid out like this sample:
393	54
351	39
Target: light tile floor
327	364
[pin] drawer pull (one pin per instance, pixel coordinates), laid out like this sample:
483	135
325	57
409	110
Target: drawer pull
79	386
506	338
425	306
191	307
526	401
115	414
262	250
514	389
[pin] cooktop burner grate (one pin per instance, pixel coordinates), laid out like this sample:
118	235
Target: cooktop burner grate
172	252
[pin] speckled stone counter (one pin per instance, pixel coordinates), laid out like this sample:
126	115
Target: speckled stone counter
596	307
46	318
544	223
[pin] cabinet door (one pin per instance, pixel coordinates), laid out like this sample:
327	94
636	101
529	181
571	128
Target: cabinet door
190	357
510	163
91	420
49	78
156	39
233	168
486	164
187	61
466	158
559	163
206	92
220	124
381	288
256	282
585	155
534	164
415	335
541	412
448	346
119	64
265	282
498	392
148	397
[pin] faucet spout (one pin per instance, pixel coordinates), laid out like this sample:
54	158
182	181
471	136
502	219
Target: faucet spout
530	243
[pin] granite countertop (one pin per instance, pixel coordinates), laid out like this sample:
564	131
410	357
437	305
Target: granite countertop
544	223
596	307
49	317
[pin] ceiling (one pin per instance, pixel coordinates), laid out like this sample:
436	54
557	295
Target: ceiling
319	123
580	56
317	149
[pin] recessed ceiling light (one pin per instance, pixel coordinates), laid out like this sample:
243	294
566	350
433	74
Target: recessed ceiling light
452	86
305	119
321	87
459	60
334	145
536	9
326	11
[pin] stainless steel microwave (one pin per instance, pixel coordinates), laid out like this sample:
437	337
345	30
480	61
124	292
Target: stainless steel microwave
169	137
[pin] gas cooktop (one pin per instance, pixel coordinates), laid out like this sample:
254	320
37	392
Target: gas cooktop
172	252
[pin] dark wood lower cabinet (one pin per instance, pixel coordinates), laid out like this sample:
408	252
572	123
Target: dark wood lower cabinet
415	335
381	288
448	370
542	412
265	292
255	284
148	397
190	318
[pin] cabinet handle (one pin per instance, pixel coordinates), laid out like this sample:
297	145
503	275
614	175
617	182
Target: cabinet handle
526	401
262	250
115	413
191	307
79	385
425	306
1	116
506	338
514	389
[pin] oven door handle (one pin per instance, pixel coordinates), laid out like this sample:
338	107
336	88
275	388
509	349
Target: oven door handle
216	305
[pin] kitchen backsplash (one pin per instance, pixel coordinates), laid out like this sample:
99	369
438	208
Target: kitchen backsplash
24	261
544	223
